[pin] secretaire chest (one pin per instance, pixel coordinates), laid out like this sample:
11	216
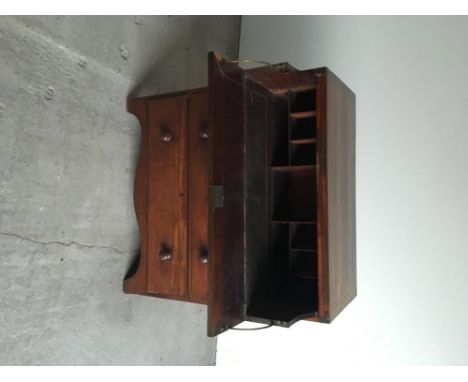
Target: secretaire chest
245	195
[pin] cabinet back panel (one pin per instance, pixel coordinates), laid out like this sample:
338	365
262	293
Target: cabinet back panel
304	128
303	101
294	196
304	237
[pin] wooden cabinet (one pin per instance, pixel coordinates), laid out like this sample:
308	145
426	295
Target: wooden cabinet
245	195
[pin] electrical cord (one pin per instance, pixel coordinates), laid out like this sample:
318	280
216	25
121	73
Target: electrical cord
258	328
250	61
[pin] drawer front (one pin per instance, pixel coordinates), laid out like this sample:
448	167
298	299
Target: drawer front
198	196
167	196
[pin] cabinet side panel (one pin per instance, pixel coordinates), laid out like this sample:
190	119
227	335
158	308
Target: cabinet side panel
341	194
198	136
322	201
167	199
136	279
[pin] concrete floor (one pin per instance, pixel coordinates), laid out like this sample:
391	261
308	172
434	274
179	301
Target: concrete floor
68	151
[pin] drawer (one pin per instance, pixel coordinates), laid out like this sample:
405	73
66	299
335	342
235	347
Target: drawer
198	138
167	197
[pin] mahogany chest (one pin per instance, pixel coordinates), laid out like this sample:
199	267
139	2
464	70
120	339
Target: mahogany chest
245	195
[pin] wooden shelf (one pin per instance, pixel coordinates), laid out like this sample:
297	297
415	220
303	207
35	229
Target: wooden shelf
303	249
294	168
303	141
306	277
294	222
303	114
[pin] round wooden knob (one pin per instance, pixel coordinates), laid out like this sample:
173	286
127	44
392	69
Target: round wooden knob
204	132
165	254
166	136
203	256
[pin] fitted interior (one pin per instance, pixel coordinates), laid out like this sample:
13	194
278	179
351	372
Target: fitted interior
282	284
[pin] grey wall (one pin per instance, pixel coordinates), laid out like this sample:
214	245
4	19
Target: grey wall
410	79
68	151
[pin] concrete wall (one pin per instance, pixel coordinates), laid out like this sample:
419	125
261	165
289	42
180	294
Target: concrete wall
68	151
410	79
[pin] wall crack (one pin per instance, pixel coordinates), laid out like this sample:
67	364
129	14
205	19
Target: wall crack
60	243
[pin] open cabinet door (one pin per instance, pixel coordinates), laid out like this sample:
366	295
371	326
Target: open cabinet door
281	195
226	280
